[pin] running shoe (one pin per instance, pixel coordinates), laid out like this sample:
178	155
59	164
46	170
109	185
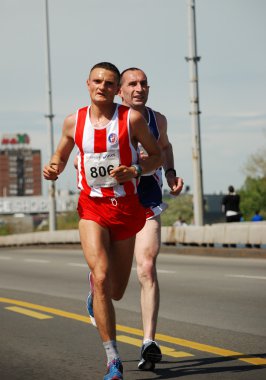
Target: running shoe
90	302
150	354
114	370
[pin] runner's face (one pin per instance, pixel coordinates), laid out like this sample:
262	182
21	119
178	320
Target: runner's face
102	85
134	89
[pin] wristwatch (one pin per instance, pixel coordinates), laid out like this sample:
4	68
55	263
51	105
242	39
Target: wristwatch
138	169
170	170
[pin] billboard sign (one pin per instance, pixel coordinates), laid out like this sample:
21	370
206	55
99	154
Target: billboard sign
36	204
15	139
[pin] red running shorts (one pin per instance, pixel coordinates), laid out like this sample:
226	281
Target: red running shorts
123	216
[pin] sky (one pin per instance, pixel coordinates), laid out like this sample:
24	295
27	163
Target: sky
151	35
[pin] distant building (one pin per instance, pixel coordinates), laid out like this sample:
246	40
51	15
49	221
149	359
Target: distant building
213	209
20	167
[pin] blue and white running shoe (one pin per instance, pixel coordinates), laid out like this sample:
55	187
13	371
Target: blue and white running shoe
114	370
90	302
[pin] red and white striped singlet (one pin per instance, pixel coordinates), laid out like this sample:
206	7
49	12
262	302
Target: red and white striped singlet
95	144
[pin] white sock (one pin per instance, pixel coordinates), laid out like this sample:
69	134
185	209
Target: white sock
111	350
147	341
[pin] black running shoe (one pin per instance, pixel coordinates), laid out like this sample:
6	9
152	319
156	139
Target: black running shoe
150	354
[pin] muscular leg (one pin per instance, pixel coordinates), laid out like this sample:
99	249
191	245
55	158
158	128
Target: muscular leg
110	264
95	244
122	252
146	250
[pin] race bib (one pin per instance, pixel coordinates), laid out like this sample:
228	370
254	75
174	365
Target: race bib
98	167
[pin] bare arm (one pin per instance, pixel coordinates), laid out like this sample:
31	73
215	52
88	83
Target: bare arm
175	183
140	133
59	159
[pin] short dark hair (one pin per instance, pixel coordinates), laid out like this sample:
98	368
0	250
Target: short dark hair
231	189
129	69
108	66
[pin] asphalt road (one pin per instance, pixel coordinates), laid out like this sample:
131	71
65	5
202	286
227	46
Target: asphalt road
212	321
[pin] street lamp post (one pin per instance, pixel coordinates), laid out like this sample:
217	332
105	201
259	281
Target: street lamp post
192	60
50	116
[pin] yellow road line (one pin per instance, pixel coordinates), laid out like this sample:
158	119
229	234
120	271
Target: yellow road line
50	310
165	350
138	332
29	313
197	346
211	349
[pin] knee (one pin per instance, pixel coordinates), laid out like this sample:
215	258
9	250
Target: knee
103	285
100	282
147	270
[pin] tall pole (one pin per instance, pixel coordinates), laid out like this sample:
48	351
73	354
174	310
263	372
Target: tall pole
192	60
50	116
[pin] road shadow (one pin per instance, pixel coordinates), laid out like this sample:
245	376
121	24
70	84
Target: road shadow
202	366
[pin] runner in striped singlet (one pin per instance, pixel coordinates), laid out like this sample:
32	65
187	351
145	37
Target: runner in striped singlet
107	135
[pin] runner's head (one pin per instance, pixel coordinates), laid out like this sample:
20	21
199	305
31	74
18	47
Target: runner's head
134	88
103	83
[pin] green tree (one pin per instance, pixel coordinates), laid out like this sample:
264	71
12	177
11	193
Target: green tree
253	192
253	197
180	207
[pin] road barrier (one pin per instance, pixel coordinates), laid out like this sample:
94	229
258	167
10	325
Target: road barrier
247	233
46	237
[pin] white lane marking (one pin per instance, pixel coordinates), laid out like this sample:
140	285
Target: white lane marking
77	265
40	261
161	271
165	271
246	276
6	258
